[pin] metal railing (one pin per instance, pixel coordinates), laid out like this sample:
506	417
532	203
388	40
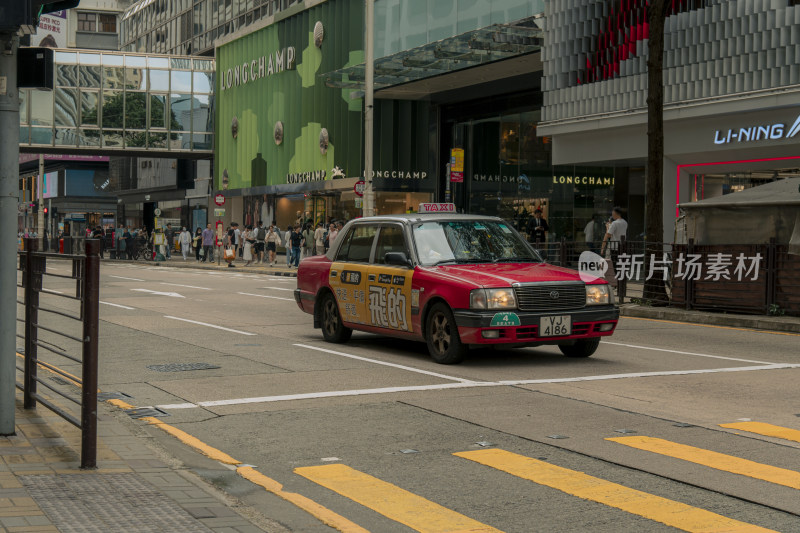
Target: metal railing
44	328
739	278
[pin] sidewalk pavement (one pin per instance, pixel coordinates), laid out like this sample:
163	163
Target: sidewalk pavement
43	489
783	324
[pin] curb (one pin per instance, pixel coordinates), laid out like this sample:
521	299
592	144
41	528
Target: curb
756	322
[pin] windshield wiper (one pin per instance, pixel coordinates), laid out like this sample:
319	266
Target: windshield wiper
516	260
461	261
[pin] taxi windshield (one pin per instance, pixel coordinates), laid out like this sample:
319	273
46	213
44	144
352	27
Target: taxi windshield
470	241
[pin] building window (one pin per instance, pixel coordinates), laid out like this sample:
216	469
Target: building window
86	21
100	22
108	23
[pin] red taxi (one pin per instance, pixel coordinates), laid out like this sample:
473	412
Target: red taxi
452	281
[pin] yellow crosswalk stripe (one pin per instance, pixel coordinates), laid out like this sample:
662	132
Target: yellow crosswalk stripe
768	430
716	460
391	501
656	508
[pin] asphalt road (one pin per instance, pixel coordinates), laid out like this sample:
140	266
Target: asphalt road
521	440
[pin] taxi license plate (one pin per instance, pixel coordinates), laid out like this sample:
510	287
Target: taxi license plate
555	326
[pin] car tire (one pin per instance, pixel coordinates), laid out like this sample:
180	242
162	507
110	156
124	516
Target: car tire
332	328
582	348
441	334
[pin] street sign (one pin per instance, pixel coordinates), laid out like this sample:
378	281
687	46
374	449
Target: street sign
157	212
359	203
359	187
219	212
219	199
457	165
437	208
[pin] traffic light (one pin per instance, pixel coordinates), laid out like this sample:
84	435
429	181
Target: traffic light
45	210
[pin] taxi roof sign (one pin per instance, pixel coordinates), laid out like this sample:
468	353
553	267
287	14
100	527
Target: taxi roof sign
437	208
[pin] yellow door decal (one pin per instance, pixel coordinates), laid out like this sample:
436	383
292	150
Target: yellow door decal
389	293
348	282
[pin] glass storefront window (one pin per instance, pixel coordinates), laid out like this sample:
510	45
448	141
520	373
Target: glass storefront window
67	75
66	137
135	78
89	115
181	81
113	77
66	112
41	108
113	113
203	82
159	80
135	110
158	111
89	77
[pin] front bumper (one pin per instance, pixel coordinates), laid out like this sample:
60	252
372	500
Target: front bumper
586	323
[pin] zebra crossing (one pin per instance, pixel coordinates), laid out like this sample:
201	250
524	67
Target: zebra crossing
420	514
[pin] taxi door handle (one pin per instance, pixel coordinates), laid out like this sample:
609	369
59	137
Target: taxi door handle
333	273
371	277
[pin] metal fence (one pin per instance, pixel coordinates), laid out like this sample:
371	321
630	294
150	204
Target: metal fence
50	318
739	278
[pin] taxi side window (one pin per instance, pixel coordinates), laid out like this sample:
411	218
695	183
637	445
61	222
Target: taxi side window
357	245
390	239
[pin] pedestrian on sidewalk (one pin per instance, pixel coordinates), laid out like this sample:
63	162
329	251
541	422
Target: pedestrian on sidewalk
197	242
297	242
287	244
273	241
249	243
237	240
616	230
169	234
260	237
185	240
208	243
308	240
127	238
319	238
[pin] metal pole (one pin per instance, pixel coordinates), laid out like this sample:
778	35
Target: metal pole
369	86
91	328
40	214
33	284
9	174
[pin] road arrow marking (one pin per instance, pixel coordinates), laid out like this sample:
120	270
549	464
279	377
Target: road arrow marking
170	294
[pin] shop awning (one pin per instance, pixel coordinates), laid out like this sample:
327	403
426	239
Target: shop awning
473	48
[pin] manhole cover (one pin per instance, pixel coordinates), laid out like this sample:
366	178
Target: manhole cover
104	396
181	367
142	412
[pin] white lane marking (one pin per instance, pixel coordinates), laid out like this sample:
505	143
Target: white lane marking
265	296
170	294
52	291
463	385
689	353
775	366
393	365
276	288
117	305
187	286
129	279
209	325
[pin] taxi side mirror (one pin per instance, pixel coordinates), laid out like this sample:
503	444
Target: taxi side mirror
397	258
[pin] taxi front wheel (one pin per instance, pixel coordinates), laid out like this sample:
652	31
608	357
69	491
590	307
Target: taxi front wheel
582	348
332	328
441	334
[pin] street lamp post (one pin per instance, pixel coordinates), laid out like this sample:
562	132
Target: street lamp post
369	81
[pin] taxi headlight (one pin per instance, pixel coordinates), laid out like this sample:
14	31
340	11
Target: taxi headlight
492	299
598	295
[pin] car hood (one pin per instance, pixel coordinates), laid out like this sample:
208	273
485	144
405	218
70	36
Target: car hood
506	274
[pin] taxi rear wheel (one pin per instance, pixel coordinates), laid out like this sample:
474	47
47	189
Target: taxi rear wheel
441	334
582	348
332	328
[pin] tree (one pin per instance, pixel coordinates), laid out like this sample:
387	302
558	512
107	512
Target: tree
654	288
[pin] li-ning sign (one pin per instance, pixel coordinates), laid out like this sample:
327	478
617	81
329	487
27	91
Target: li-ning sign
757	133
258	68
